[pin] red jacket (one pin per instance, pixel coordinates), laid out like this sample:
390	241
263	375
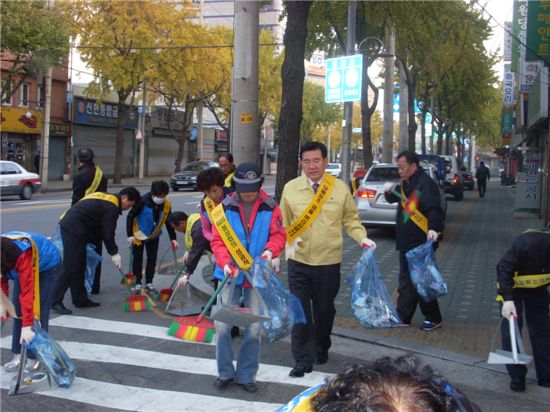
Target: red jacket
24	268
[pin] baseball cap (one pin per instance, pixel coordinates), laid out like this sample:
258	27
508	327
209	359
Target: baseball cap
247	178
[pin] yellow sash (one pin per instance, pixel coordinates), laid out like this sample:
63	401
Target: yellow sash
165	212
97	195
188	235
230	239
95	183
227	182
36	267
312	209
416	216
528	281
209	206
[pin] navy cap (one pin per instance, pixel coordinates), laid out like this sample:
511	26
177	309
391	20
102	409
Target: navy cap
247	178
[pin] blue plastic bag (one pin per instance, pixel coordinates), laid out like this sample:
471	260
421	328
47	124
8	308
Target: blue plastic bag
283	307
370	301
56	239
92	260
52	356
424	272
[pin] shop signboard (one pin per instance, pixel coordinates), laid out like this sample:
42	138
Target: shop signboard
92	113
538	31
18	120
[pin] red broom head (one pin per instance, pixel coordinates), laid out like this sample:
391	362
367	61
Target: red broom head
129	280
191	329
165	294
136	303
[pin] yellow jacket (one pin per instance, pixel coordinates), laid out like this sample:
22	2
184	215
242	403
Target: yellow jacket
322	241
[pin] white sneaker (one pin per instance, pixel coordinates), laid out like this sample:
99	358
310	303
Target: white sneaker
137	290
13	365
32	365
150	289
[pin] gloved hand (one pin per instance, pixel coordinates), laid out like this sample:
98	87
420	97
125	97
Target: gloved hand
183	280
174	245
131	240
267	255
117	260
230	269
389	186
366	243
509	309
432	235
185	256
276	264
27	334
291	248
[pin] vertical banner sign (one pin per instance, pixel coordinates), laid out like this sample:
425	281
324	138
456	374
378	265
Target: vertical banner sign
508	87
507	49
528	70
519	23
538	31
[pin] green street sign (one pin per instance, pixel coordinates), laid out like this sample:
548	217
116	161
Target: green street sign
343	79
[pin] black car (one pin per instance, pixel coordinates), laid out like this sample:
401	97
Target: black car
187	178
467	179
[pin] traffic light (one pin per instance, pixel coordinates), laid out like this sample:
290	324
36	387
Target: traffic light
477	158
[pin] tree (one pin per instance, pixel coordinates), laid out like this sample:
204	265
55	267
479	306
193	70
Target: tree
33	37
316	113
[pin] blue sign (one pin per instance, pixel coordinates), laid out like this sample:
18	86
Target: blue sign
343	79
417	105
90	112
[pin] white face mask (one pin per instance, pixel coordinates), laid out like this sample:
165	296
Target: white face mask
158	200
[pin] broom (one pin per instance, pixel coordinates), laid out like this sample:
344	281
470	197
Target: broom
129	279
166	293
135	303
197	328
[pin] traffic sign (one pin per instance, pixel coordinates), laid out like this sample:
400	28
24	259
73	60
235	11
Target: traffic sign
343	79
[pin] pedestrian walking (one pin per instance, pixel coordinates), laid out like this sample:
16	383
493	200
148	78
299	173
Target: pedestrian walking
227	166
28	258
89	179
95	212
316	207
482	176
414	226
144	228
247	224
523	275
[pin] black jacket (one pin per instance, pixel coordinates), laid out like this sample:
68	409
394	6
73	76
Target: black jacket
483	173
529	255
200	245
92	219
83	180
408	235
147	200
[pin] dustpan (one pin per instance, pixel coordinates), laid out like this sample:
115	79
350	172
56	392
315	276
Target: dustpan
28	382
188	305
500	356
234	314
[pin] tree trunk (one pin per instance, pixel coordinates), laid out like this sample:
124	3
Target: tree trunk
423	132
440	132
292	73
123	112
366	115
412	126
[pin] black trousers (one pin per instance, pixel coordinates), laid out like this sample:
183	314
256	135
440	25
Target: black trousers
74	265
151	247
315	287
408	297
534	302
97	278
481	187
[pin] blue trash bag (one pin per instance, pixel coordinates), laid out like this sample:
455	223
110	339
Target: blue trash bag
92	260
370	301
56	239
424	272
283	307
52	356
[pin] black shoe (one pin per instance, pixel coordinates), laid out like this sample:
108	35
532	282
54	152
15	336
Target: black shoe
235	331
61	309
321	358
95	291
300	371
544	383
250	387
222	383
87	304
517	384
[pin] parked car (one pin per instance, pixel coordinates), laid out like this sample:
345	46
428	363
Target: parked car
334	169
447	170
467	179
16	181
374	210
187	178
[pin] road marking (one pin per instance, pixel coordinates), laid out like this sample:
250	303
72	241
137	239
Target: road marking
130	398
45	202
27	208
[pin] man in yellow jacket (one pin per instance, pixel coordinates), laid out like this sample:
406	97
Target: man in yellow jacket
315	208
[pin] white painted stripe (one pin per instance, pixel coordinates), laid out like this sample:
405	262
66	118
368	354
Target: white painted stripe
126	328
130	398
43	202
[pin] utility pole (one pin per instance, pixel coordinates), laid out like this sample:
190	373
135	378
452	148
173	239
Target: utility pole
403	109
348	106
142	140
245	139
200	105
387	137
44	160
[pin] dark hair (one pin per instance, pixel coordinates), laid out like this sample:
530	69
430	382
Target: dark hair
390	385
482	163
210	177
310	146
85	155
176	217
130	192
228	156
159	188
10	254
410	156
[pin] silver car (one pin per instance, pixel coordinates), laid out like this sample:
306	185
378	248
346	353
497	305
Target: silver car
374	210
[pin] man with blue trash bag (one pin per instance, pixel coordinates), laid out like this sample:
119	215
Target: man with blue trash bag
419	218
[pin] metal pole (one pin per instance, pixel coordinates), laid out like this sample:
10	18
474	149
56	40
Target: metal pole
432	123
403	109
142	126
244	108
46	132
387	137
348	106
200	105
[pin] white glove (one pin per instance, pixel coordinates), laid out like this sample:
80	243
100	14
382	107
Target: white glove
27	335
267	255
174	245
509	309
389	186
432	235
131	240
230	269
276	265
366	243
185	256
184	280
291	248
117	260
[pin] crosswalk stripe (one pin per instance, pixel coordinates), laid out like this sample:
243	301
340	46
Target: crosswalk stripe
131	398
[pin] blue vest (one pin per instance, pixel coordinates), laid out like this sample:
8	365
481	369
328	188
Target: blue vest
49	256
146	220
255	243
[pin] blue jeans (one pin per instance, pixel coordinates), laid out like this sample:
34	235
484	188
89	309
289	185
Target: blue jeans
248	360
48	283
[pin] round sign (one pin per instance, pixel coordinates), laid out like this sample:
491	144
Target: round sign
352	77
334	79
